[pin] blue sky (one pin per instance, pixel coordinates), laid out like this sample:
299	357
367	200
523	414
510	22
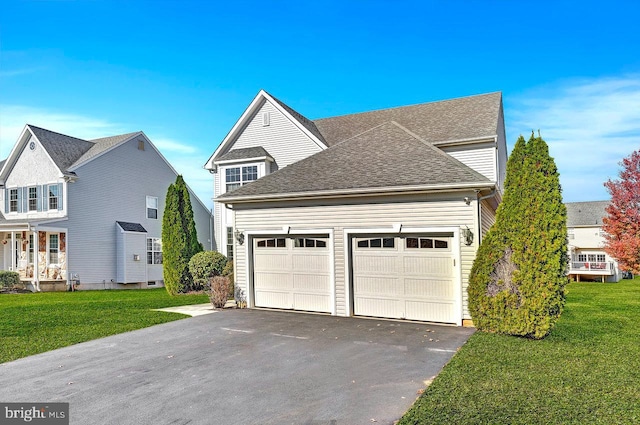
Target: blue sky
184	71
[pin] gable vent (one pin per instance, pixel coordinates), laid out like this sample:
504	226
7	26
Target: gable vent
266	119
140	145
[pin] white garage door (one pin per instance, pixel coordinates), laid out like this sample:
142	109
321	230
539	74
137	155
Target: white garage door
408	277
292	273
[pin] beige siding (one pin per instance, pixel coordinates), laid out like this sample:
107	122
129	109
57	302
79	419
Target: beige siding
480	157
284	141
416	211
487	217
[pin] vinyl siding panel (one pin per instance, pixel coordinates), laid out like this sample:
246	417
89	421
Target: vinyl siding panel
487	217
110	188
410	211
284	141
481	158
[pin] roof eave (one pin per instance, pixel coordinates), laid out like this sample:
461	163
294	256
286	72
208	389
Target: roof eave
375	191
239	160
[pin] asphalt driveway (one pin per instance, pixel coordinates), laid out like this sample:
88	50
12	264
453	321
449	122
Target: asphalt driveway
241	367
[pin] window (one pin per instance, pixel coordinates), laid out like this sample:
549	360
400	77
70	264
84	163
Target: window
582	257
53	197
571	234
272	243
238	176
152	207
33	199
601	258
13	200
31	249
377	243
230	243
53	248
426	243
154	251
310	243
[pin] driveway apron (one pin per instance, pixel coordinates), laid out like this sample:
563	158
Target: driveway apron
241	367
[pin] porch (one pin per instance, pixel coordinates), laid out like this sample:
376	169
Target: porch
37	254
592	269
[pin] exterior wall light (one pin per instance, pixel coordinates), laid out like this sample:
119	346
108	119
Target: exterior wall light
239	237
467	234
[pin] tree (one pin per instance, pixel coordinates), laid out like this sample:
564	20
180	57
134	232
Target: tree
622	222
179	238
517	281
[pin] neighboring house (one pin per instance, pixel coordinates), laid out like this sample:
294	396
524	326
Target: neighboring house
87	211
586	241
372	214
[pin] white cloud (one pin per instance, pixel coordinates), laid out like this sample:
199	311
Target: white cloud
589	125
185	159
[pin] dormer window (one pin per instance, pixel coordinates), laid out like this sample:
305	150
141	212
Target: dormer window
238	176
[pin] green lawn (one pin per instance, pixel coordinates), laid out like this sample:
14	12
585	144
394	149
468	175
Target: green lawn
34	323
586	372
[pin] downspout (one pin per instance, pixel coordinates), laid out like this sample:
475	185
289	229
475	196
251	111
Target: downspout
211	229
480	199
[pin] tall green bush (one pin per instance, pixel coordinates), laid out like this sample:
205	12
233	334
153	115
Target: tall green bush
517	281
179	238
205	265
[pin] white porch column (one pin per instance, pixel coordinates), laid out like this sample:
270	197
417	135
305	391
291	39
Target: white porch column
14	260
36	260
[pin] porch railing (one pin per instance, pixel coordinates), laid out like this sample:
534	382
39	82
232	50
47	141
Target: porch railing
594	267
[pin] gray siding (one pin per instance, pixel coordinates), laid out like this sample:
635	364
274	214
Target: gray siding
110	188
502	153
487	217
423	211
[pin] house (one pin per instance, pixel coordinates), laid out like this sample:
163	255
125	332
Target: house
588	260
87	211
372	214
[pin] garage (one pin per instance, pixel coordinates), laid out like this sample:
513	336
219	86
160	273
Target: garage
293	272
405	277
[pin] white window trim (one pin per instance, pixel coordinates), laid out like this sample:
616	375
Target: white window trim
260	172
157	208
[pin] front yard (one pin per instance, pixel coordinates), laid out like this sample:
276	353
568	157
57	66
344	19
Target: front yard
586	371
35	323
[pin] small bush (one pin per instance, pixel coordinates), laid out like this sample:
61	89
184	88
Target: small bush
219	292
205	265
228	272
9	279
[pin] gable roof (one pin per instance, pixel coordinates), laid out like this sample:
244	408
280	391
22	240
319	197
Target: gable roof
386	157
586	213
304	124
466	118
307	123
64	150
244	153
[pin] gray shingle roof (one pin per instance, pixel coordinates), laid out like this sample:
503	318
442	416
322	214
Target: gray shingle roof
383	157
586	213
63	150
67	151
436	122
244	153
131	227
307	123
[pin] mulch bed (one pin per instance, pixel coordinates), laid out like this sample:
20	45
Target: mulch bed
14	291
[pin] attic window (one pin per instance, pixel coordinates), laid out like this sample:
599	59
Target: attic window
140	145
266	119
